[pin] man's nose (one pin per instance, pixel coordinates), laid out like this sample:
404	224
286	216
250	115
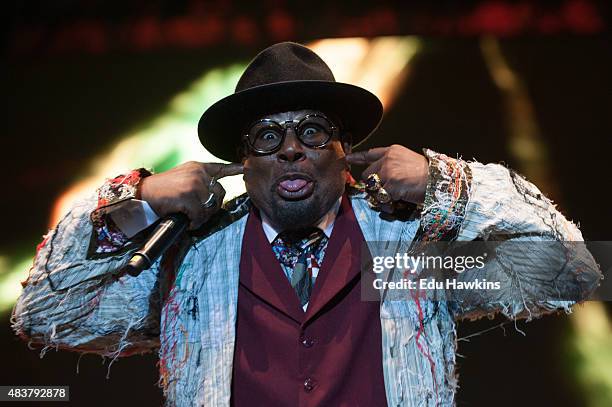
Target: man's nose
291	150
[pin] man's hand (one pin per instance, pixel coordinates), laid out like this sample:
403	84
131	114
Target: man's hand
184	188
403	173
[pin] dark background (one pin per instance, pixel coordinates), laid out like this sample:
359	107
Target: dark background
68	99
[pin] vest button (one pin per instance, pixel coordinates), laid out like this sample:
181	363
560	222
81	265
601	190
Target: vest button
307	342
309	384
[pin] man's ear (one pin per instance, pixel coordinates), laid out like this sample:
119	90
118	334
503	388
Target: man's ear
243	150
347	143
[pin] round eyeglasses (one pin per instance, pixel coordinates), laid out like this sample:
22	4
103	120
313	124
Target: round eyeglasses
266	136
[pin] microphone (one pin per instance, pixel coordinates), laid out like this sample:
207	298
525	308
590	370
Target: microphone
167	232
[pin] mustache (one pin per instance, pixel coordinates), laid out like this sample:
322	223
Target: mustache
297	169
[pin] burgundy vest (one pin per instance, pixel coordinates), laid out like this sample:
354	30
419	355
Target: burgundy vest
329	355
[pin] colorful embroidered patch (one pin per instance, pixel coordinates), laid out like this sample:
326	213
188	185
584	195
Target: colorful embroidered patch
107	238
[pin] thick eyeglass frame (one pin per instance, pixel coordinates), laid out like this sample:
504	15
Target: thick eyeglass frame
284	127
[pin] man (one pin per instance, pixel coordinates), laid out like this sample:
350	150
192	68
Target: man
260	304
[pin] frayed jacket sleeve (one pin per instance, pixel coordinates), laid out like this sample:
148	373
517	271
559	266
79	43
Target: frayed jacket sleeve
72	300
540	259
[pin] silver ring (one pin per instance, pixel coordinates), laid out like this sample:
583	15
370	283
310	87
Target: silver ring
212	183
211	200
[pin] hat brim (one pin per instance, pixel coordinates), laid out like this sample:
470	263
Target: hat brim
223	124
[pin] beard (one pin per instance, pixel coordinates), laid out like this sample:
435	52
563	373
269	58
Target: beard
300	214
295	215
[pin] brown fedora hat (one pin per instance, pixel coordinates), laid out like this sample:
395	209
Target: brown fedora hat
286	76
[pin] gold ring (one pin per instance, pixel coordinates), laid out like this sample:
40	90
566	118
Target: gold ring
382	196
373	183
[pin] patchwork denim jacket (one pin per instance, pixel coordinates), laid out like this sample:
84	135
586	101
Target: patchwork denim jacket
184	307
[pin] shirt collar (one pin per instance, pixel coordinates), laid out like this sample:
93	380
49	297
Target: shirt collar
326	224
